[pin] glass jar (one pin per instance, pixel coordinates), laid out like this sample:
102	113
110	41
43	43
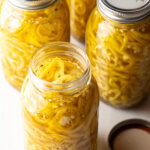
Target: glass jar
79	14
60	100
1	2
26	26
118	46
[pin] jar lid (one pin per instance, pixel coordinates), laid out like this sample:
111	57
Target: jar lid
130	134
124	11
31	4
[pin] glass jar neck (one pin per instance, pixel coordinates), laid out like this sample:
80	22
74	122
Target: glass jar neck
60	49
31	4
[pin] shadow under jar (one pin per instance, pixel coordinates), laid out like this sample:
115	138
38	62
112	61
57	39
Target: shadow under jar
60	100
26	26
79	14
118	46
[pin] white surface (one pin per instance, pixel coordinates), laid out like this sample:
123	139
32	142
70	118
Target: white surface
11	132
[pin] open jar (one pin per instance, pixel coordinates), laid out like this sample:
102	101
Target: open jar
60	100
26	25
118	45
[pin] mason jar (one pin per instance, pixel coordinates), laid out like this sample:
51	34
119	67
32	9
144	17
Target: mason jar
79	14
60	100
1	2
26	25
118	46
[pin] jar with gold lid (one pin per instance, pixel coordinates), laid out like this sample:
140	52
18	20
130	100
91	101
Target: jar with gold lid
118	45
60	100
25	25
79	14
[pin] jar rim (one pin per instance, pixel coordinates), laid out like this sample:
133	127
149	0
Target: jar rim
123	15
84	79
31	4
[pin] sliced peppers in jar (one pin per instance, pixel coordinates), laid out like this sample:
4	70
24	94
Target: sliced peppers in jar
120	58
23	31
60	120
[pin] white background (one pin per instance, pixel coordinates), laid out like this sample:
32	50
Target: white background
11	132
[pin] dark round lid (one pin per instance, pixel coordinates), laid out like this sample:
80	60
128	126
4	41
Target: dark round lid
126	125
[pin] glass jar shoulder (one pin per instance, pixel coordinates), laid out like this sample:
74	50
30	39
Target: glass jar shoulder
125	39
94	21
83	103
13	19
